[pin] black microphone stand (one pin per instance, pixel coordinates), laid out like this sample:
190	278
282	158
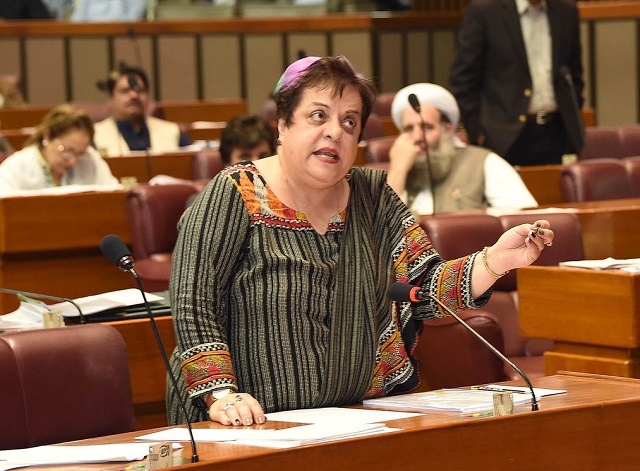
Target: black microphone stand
115	250
415	104
402	292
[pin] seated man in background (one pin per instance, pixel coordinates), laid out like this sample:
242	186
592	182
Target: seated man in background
58	153
464	177
247	138
130	128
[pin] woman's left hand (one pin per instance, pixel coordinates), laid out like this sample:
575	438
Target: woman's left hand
520	246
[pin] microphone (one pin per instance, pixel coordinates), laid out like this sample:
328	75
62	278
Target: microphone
133	83
136	47
46	296
566	75
415	104
117	252
404	292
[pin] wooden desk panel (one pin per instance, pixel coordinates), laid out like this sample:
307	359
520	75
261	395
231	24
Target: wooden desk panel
610	228
543	181
22	117
146	367
190	111
595	426
50	244
593	317
17	137
142	167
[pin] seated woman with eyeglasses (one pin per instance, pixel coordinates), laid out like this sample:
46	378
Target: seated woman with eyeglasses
58	153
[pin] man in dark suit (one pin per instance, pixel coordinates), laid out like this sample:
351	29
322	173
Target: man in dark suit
24	10
517	77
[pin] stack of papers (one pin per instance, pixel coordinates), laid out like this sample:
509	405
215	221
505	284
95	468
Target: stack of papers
29	314
460	400
629	264
281	438
56	455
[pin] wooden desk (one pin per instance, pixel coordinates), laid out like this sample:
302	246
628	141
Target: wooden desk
210	131
189	111
593	316
543	181
50	244
147	370
595	426
610	228
17	137
174	164
23	117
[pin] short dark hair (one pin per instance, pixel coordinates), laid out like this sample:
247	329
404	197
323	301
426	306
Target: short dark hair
246	132
335	72
122	70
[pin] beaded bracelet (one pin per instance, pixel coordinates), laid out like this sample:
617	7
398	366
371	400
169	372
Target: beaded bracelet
486	265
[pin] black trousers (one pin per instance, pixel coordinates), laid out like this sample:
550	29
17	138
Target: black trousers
539	144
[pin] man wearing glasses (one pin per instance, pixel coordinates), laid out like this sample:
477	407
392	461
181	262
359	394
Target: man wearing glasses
130	128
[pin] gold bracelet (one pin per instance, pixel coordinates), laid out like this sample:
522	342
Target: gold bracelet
486	265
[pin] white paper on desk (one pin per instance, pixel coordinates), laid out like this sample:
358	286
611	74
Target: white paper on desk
460	400
61	190
338	415
58	454
315	433
101	302
603	264
27	316
181	434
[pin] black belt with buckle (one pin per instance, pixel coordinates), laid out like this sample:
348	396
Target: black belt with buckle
542	117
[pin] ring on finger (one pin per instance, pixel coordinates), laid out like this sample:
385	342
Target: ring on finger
548	244
238	398
227	406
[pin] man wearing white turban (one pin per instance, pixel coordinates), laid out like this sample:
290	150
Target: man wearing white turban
462	177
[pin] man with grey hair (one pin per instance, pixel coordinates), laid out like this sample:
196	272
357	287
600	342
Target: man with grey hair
428	152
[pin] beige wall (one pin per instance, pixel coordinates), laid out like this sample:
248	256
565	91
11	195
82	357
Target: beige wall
192	62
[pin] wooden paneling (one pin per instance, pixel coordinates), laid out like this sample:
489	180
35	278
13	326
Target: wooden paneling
227	58
50	244
616	83
89	58
593	317
177	70
147	369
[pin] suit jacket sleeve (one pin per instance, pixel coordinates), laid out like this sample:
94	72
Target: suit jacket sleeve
468	70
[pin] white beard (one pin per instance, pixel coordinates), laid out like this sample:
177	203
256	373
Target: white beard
440	159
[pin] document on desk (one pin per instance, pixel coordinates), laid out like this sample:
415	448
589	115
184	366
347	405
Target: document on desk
335	415
460	400
102	302
70	454
281	438
629	264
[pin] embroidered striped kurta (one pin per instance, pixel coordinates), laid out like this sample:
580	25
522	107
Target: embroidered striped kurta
265	305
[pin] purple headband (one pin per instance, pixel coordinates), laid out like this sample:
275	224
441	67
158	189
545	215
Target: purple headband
294	72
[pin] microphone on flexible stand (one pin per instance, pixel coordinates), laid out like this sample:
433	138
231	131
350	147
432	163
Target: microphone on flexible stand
132	80
46	296
115	250
136	47
566	75
404	292
415	104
